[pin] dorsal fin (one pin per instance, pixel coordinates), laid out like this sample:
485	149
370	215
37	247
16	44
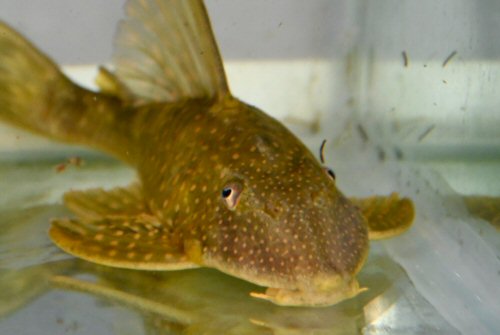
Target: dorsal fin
166	51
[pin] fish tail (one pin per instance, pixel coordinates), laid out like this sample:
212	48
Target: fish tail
36	96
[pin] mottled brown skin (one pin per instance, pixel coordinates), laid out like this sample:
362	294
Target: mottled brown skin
286	226
291	223
292	230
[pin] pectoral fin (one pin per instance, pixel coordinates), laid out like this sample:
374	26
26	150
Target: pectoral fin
485	207
94	204
386	216
125	242
114	228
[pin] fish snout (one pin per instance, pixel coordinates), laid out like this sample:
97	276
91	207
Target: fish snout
320	291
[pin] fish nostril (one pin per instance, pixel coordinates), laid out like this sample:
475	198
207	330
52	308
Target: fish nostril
272	209
318	199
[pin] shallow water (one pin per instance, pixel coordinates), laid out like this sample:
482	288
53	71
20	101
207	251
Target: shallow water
45	291
437	278
425	126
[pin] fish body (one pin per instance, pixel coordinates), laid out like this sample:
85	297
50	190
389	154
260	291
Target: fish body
276	232
220	183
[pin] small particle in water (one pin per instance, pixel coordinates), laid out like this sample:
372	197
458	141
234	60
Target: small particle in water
381	154
75	160
426	132
362	133
448	59
398	153
405	58
60	167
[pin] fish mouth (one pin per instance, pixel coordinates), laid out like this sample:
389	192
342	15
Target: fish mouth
312	297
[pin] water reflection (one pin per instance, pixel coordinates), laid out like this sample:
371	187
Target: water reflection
35	277
195	301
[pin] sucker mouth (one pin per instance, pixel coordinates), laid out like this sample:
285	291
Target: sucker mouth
311	298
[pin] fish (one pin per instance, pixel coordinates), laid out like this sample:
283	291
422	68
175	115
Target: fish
220	183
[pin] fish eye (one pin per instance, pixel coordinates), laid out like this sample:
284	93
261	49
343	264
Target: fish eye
330	172
231	194
226	192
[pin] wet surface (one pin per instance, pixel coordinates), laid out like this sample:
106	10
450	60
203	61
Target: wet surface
46	291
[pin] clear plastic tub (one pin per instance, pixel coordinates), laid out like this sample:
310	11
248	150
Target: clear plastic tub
405	92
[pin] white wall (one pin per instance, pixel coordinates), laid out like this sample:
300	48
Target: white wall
80	32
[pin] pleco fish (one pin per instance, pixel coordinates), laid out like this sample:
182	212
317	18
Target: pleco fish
221	184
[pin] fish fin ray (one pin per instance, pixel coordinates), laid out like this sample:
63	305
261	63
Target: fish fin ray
96	203
166	51
124	242
386	216
109	83
114	227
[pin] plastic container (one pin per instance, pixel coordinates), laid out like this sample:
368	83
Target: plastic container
405	92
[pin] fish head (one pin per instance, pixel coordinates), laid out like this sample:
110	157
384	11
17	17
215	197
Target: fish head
281	221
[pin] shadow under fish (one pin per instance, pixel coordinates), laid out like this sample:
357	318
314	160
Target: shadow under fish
198	300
